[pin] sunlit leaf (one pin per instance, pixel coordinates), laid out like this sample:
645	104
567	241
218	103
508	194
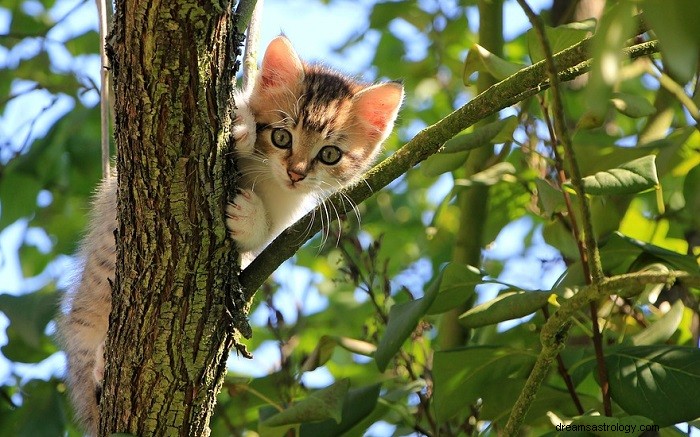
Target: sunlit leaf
40	413
319	405
479	59
357	405
456	286
507	306
320	355
441	163
461	375
549	199
632	177
632	105
18	192
499	172
619	252
87	43
616	27
560	38
29	314
658	382
403	319
495	132
675	25
662	329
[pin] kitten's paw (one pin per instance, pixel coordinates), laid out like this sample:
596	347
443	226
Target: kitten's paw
244	132
246	221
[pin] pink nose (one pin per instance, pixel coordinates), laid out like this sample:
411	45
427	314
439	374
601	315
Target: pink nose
295	177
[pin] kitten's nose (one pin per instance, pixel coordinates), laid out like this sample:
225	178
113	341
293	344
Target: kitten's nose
294	176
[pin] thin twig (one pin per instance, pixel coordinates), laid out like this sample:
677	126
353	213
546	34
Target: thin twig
564	373
554	331
590	255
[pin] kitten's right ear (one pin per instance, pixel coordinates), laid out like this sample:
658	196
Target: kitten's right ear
281	66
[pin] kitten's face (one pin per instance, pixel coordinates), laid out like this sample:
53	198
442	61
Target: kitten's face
317	130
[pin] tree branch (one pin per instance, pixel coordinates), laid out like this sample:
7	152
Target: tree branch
527	82
555	330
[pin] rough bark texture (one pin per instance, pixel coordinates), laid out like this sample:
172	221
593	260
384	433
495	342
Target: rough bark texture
170	328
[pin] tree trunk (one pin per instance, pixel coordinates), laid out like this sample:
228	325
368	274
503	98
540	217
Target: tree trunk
171	329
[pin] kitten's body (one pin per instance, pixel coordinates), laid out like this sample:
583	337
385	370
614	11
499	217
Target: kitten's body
303	133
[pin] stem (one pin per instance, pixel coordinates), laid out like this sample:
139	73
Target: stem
588	246
523	84
555	329
564	372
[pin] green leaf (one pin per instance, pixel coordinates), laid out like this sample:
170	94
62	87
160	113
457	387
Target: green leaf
33	260
658	382
40	413
29	314
319	405
632	105
18	192
619	253
662	329
38	69
456	286
675	25
691	195
455	152
479	60
357	405
461	375
441	163
507	306
383	13
24	24
403	319
498	131
560	38
320	355
87	43
632	177
616	27
549	199
499	172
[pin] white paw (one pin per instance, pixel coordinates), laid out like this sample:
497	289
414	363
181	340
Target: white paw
247	221
244	129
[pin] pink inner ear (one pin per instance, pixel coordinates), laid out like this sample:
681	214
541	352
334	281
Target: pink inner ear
378	106
280	66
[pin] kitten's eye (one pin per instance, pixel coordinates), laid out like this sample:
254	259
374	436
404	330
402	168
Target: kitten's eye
330	155
281	138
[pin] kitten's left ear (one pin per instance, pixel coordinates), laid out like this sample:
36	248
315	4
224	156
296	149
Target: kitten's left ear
377	107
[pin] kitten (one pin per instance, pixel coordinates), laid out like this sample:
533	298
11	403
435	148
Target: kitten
303	133
317	132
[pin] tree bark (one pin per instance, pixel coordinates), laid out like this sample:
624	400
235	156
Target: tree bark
176	312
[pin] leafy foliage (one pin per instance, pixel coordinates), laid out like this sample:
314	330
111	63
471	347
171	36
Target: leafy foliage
359	341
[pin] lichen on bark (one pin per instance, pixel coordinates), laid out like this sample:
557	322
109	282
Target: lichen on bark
175	317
